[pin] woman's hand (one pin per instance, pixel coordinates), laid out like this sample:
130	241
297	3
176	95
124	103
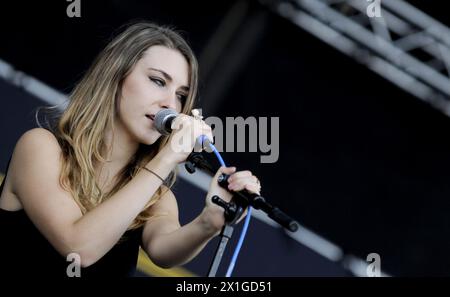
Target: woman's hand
213	215
186	130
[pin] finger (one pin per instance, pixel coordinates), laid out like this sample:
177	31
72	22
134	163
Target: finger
208	139
243	180
206	143
208	133
181	119
176	122
205	125
225	170
246	179
253	188
200	128
240	174
239	184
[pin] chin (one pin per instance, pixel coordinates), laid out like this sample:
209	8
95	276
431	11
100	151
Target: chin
150	138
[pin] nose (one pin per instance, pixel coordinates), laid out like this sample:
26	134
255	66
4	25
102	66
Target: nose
169	102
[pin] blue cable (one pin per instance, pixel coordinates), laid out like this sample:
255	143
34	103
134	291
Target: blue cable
247	218
239	245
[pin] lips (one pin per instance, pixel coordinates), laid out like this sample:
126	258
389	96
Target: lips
150	116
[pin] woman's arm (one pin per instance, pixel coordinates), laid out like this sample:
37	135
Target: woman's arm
168	244
35	168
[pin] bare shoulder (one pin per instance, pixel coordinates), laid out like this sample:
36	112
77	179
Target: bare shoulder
35	170
35	147
36	142
28	147
37	139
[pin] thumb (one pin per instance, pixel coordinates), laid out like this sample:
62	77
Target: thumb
226	170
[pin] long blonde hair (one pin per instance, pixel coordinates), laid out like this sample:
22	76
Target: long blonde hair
81	128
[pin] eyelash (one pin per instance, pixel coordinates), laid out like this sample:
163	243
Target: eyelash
161	83
158	81
182	98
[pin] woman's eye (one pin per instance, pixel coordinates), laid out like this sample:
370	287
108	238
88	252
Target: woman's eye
158	81
182	97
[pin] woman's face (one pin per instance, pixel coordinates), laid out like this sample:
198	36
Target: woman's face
159	80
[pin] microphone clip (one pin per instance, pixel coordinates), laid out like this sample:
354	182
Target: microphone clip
197	160
233	211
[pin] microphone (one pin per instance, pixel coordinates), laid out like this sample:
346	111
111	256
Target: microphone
164	119
163	124
245	198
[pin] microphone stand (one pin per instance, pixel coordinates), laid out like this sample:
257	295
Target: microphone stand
235	208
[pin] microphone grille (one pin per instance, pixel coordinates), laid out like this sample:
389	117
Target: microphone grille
161	120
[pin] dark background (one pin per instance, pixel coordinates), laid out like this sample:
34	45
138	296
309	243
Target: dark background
361	163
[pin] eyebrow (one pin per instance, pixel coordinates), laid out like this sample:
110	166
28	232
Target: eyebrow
168	77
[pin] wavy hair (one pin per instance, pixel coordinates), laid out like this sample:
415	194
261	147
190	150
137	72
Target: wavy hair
81	127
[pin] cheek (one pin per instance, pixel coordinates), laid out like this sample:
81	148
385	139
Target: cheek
127	106
134	87
134	96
